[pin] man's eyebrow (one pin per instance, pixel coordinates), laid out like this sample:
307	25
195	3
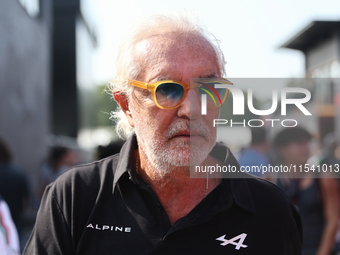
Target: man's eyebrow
167	77
213	75
161	78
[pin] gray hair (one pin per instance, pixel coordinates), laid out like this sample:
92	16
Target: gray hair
128	66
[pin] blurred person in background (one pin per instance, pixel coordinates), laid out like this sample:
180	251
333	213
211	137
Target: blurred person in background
256	153
59	160
9	239
326	155
317	199
14	187
330	151
111	149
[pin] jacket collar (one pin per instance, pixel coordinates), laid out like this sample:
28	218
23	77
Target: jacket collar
125	161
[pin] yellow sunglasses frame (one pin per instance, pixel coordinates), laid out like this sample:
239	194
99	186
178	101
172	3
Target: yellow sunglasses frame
153	87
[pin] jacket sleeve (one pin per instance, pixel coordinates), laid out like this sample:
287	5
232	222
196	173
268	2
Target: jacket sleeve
51	233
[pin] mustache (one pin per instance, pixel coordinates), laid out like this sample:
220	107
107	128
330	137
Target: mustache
196	127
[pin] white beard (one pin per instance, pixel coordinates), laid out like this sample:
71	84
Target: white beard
165	154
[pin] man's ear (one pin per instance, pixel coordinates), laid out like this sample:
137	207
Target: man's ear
123	102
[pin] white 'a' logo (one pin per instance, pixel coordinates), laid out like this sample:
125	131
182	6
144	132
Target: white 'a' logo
238	245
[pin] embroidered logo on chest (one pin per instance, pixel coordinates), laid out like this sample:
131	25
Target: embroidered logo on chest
109	228
232	241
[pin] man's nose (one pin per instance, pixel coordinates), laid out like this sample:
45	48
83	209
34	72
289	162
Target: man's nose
191	106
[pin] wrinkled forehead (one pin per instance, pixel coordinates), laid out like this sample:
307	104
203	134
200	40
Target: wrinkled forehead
173	48
173	41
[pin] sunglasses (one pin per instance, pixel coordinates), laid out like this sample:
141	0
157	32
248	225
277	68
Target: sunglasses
171	94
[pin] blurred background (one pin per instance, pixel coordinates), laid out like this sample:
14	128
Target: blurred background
56	57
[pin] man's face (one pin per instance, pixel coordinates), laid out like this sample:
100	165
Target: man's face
296	152
174	137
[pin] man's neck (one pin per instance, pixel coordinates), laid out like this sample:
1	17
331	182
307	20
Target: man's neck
177	192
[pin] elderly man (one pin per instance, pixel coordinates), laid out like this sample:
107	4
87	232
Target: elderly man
143	201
